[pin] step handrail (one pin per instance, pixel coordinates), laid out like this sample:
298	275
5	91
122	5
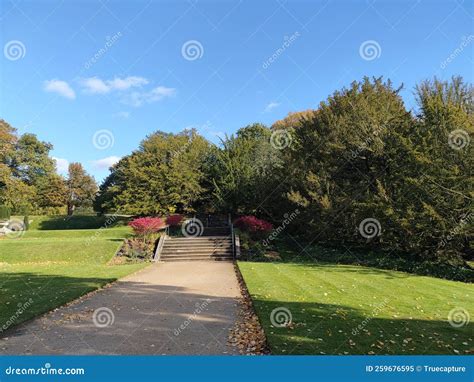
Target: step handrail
232	235
159	247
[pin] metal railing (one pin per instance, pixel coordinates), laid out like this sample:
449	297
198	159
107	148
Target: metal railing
161	243
232	235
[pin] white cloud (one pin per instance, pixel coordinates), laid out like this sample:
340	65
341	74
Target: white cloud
127	83
60	87
105	163
271	106
62	165
157	94
96	85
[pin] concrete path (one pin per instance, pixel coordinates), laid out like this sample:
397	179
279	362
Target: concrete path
167	308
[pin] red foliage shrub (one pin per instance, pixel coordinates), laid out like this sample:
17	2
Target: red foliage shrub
253	224
146	226
174	220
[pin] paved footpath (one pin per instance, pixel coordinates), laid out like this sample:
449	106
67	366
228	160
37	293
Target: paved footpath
166	308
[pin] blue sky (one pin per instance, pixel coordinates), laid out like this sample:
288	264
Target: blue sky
95	77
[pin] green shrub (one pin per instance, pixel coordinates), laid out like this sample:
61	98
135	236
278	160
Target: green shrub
26	223
4	213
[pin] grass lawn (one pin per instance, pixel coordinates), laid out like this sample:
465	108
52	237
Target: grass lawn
349	309
54	267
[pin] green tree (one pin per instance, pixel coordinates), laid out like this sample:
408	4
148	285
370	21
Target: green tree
14	193
81	188
246	172
163	176
339	164
31	160
363	156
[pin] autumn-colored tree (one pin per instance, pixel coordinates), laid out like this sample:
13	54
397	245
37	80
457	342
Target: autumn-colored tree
52	191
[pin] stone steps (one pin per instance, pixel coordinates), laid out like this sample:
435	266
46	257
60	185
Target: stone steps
200	248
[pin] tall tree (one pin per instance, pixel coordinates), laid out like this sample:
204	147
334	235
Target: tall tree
81	188
52	191
8	141
245	173
31	160
164	175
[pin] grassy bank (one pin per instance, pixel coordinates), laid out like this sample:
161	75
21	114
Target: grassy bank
45	269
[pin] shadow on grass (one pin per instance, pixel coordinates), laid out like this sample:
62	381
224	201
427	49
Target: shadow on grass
360	270
80	222
330	256
336	329
26	295
144	318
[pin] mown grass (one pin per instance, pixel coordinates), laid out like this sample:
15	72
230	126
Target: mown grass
348	309
45	269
